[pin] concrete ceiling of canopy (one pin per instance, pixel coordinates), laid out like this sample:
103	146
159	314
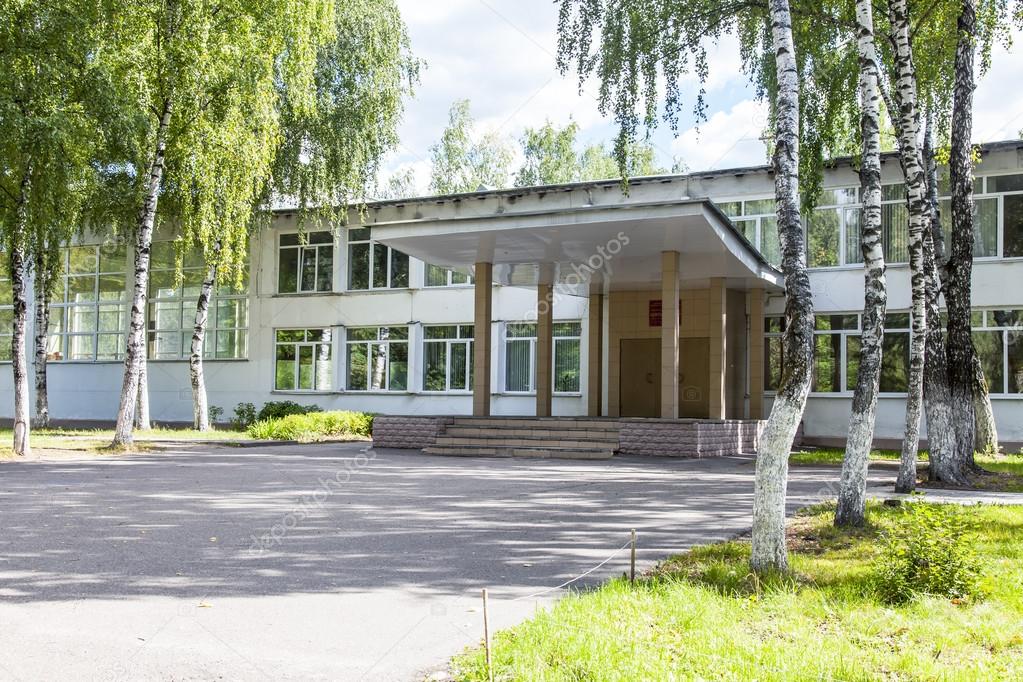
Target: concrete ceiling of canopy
587	250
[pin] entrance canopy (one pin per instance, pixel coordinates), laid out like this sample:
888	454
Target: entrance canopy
583	248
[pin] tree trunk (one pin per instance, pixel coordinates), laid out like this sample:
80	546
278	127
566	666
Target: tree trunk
961	355
142	421
911	158
984	416
44	276
768	551
937	405
136	346
852	495
200	406
19	284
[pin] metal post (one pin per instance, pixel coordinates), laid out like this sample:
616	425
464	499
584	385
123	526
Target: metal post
486	637
632	562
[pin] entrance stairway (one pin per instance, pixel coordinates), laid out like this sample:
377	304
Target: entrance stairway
547	437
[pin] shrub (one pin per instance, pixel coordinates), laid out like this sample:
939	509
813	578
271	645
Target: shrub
276	409
314	426
244	416
929	551
215	413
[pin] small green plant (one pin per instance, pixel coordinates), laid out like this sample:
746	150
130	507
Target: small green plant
215	413
929	551
244	416
314	426
276	409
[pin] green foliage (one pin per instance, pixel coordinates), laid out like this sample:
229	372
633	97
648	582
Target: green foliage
314	426
550	156
215	413
930	551
244	416
276	409
462	161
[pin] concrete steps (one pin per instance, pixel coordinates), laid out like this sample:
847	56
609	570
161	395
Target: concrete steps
527	437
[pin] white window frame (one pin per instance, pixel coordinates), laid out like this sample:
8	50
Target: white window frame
66	308
316	346
448	343
506	340
303	247
378	341
371	263
449	276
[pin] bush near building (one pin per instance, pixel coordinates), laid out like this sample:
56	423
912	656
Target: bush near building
315	426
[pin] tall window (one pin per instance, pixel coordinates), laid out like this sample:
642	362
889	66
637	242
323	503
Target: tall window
758	222
6	310
377	358
894	355
998	338
447	357
172	301
774	352
437	276
372	265
305	265
520	357
89	313
303	360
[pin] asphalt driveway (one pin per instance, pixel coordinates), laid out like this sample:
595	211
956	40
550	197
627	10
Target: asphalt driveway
323	562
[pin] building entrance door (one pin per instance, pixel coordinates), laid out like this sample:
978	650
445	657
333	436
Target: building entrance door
639	383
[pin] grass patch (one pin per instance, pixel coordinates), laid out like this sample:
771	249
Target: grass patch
811	456
315	426
98	440
702	615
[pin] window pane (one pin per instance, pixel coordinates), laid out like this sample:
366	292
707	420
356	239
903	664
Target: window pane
748	228
770	247
436	276
822	238
324	365
1004	183
306	368
989	351
1015	363
287	271
774	324
111	287
82	289
358	234
112	318
827	322
379	266
398	367
852	362
378	368
82	319
460	353
320	238
109	347
731	208
165	315
517	366
772	362
324	268
760	207
191	281
232	313
895	192
284	368
82	259
895	363
362	334
985	224
113	258
895	232
357	367
566	365
290	239
521	330
568	329
897	321
230	344
853	248
308	265
1013	225
459	278
399	269
441	332
435	366
393	333
826	366
358	266
82	347
5	348
1005	318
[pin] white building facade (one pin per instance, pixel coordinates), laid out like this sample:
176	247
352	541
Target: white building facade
344	318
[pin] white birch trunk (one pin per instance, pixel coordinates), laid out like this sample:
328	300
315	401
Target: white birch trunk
43	279
768	552
961	355
142	420
852	495
134	356
984	416
908	115
200	405
19	283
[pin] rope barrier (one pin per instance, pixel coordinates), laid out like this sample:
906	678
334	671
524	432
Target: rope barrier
578	577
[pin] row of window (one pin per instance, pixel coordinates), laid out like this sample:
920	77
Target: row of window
377	358
305	264
997	336
833	229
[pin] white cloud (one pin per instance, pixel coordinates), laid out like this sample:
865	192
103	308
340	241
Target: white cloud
998	100
728	139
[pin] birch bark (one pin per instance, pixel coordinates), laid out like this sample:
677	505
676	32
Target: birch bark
768	551
19	265
43	279
851	508
200	405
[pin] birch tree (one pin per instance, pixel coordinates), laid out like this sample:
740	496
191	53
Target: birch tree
188	66
47	70
643	40
464	160
851	507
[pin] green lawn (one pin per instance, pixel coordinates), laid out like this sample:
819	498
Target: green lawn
95	440
703	616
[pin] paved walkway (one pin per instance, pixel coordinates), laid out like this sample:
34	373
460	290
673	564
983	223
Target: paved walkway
323	562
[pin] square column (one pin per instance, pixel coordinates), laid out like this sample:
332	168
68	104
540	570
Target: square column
717	322
544	348
594	355
755	299
482	323
669	334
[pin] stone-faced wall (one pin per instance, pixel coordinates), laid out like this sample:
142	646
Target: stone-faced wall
689	437
407	432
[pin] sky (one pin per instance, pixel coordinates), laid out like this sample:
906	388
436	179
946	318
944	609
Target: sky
500	54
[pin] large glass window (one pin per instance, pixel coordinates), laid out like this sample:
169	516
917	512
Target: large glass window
757	221
1012	226
305	263
437	276
372	265
377	359
173	293
998	338
447	357
303	360
6	309
89	310
829	340
985	225
824	237
520	357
